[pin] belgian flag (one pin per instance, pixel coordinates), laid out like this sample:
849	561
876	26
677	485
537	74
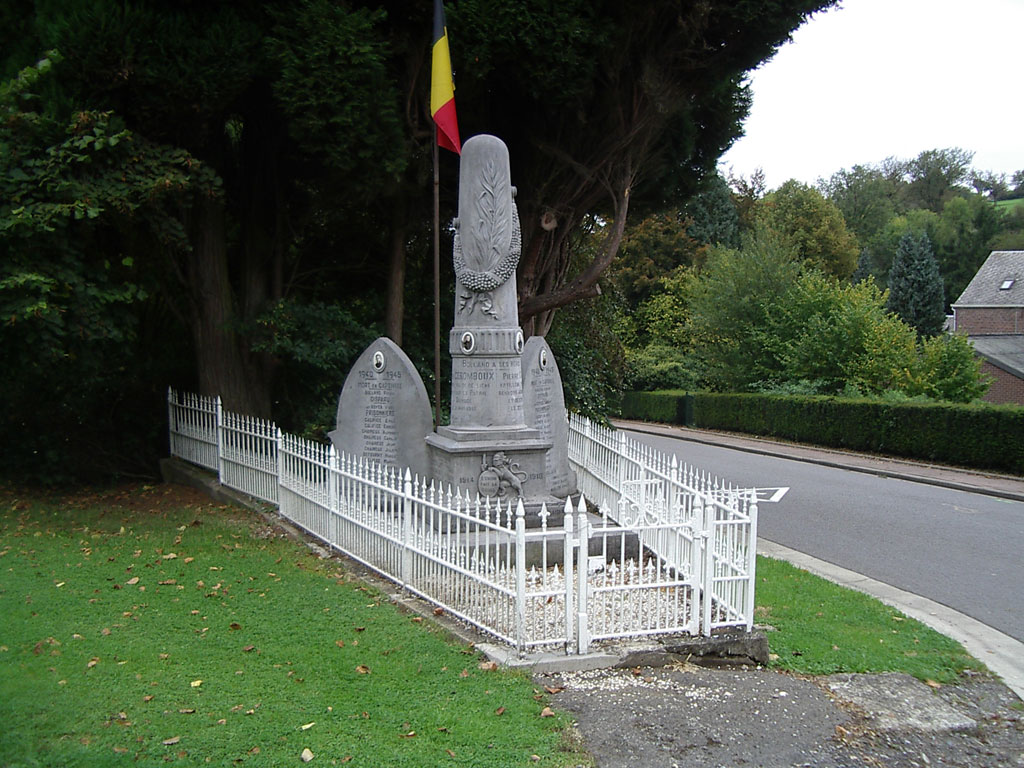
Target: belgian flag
442	88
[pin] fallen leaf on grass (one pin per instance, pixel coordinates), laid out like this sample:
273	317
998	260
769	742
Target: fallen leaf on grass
409	735
345	759
360	629
340	643
132	581
307	726
170	556
306	755
249	648
933	684
417	619
487	666
438	611
464	673
196	683
499	711
362	669
148	697
235	625
170	741
546	712
93	662
450	753
186	711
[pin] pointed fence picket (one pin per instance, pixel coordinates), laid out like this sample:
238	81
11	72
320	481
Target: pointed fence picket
663	548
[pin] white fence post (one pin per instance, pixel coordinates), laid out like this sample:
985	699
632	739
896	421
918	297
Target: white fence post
567	557
704	515
520	578
280	472
582	598
220	438
407	528
172	427
751	560
332	486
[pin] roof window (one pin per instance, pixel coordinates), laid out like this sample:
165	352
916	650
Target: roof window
1007	284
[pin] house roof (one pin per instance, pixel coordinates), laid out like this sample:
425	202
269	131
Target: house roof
998	283
1006	352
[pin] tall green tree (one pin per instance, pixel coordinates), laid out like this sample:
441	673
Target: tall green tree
935	176
915	287
865	196
814	225
732	306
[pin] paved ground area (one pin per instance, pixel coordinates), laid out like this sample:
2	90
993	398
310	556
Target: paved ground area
692	717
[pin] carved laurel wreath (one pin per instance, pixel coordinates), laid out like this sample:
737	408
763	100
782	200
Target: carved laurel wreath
493	219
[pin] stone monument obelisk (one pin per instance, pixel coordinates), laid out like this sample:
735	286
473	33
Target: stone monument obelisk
488	447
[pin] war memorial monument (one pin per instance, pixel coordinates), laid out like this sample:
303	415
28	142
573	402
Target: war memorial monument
507	436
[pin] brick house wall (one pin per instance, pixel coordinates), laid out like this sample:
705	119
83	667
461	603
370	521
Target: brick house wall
983	321
1006	388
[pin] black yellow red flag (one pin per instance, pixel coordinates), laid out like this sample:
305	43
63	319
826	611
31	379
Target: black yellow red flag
442	87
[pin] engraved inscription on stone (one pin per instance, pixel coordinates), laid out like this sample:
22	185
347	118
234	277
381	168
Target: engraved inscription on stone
486	391
384	412
544	410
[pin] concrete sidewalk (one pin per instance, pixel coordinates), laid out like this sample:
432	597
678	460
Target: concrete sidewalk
973	481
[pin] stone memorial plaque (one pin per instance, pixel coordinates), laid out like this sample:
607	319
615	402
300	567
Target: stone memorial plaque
544	410
384	411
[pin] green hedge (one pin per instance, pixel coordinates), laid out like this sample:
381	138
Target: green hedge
981	436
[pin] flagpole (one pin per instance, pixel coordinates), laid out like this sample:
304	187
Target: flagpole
437	285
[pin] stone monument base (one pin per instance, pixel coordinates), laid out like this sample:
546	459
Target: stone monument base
500	463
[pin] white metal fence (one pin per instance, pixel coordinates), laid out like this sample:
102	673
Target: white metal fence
669	550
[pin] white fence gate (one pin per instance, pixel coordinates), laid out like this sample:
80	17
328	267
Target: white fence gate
670	549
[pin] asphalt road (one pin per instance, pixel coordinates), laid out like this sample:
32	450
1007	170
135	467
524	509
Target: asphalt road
963	550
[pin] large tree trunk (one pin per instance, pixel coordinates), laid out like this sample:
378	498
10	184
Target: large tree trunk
395	311
221	358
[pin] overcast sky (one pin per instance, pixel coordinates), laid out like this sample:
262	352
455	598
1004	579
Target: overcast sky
871	79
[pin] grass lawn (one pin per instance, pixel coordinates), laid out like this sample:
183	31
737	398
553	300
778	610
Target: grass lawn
147	625
821	628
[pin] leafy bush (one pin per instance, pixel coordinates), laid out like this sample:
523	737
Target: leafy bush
659	366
